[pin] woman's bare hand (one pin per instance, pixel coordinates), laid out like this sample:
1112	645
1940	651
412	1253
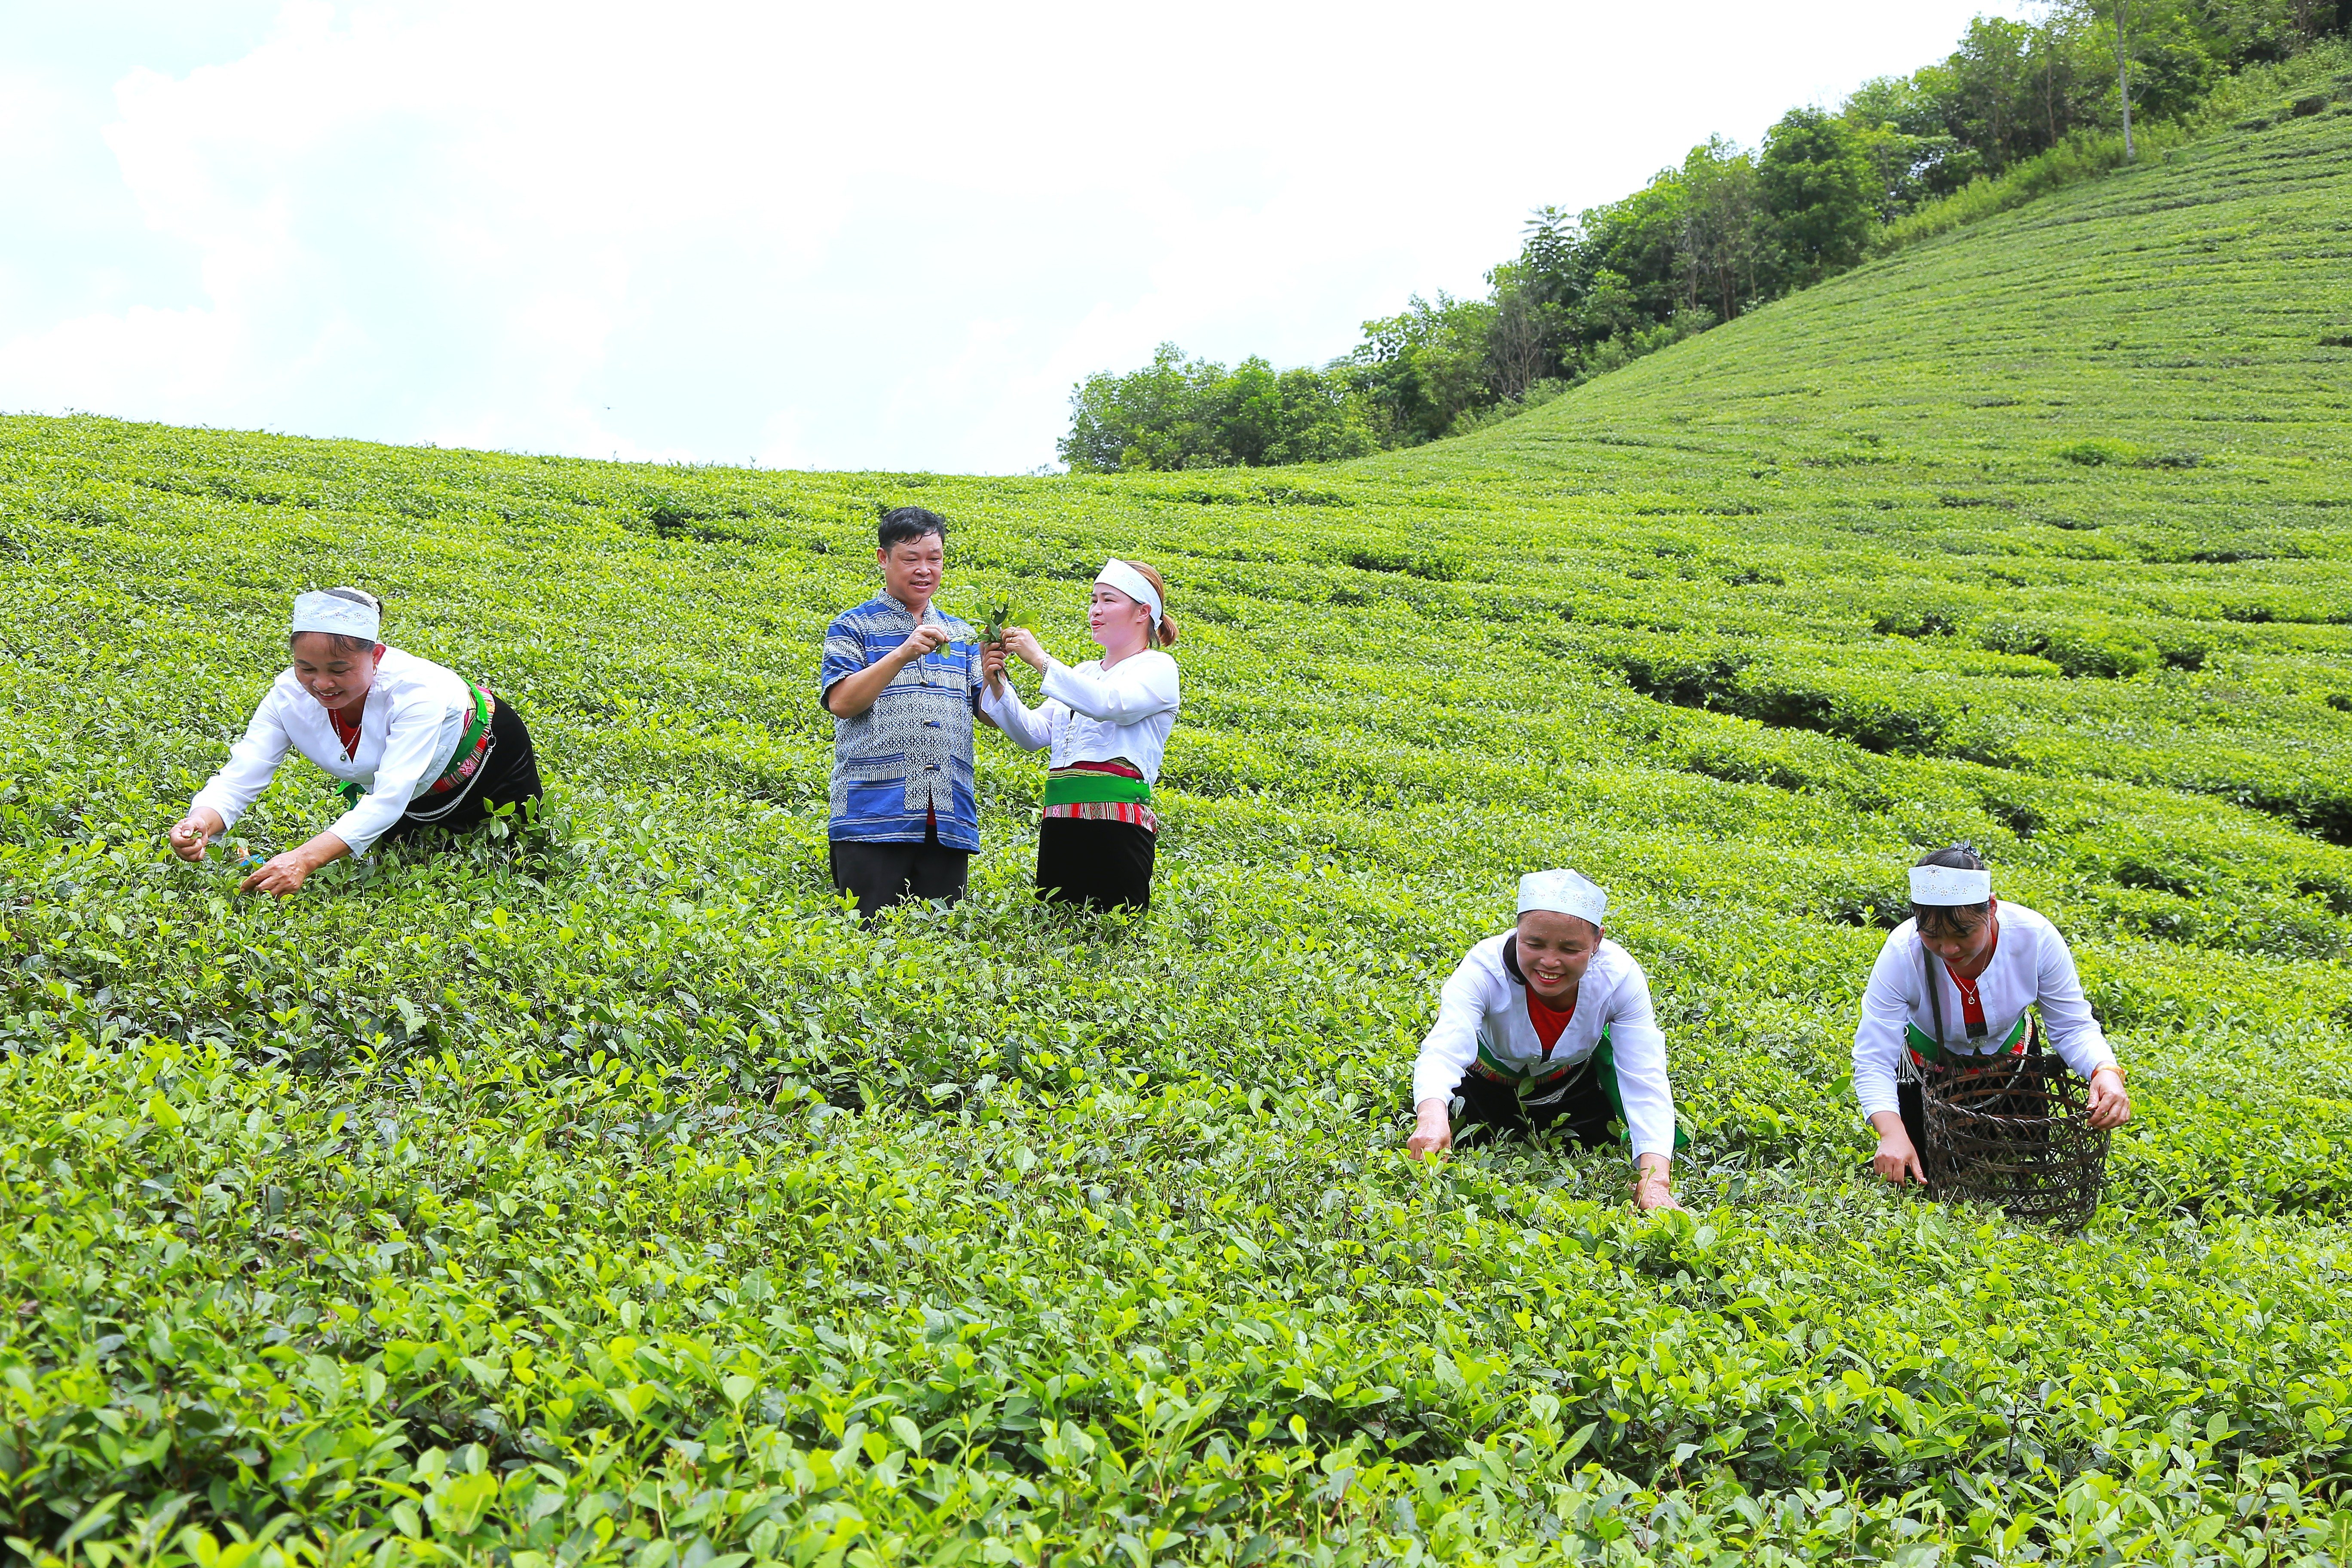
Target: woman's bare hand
1652	1185
1022	644
1897	1161
1432	1133
2110	1104
283	874
279	875
193	832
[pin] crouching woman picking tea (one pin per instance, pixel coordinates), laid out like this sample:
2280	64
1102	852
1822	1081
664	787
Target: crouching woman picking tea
1549	1024
415	746
1948	1005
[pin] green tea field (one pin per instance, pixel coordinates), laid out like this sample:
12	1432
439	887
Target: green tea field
608	1195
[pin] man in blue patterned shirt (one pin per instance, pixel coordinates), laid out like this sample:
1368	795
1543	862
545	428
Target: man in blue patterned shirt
902	682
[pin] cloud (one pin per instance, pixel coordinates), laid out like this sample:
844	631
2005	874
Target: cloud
848	235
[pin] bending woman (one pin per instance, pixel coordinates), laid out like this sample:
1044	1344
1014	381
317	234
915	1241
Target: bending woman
1549	1024
1107	723
416	745
1951	989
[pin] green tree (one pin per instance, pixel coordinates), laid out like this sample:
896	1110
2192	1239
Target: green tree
1722	217
1180	413
1422	368
1817	180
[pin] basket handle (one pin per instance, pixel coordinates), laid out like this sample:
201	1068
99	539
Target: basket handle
1934	995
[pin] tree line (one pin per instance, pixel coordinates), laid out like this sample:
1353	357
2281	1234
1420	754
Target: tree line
1708	239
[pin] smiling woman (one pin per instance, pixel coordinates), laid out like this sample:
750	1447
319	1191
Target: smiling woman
1549	1024
414	745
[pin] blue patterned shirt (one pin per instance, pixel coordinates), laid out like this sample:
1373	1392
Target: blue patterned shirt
909	755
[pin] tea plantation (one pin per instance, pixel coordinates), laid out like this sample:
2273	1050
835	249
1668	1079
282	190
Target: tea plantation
607	1196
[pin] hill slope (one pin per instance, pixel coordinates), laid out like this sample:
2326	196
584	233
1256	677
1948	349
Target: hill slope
511	1198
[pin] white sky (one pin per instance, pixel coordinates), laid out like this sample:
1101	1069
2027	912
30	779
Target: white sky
831	236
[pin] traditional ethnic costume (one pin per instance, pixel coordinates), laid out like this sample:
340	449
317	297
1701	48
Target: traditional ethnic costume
1920	1021
905	819
1107	731
1519	1066
431	749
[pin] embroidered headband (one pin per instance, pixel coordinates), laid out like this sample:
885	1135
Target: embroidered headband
1562	892
1949	887
322	611
1119	575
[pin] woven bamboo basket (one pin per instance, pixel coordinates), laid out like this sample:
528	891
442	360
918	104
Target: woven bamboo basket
2016	1136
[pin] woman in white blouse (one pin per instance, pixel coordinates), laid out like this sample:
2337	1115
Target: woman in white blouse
1107	722
1951	992
414	745
1549	1024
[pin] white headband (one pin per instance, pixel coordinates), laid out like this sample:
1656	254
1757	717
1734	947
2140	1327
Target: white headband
1119	575
1949	887
1562	892
323	612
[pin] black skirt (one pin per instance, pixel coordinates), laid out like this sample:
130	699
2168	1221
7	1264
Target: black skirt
1494	1113
509	776
1101	865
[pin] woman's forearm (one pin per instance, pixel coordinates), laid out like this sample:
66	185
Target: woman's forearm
322	850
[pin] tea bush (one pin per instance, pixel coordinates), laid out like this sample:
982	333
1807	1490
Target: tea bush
605	1194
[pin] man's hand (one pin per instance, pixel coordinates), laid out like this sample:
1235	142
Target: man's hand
2110	1101
1897	1161
853	695
191	832
1022	644
1651	1188
1432	1133
925	638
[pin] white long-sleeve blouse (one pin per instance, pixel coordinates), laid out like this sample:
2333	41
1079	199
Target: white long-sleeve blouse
415	713
2030	965
1484	1005
1089	714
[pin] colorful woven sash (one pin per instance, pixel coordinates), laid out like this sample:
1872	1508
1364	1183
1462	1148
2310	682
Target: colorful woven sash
1113	791
1083	783
1541	1075
1929	1053
1603	1062
473	745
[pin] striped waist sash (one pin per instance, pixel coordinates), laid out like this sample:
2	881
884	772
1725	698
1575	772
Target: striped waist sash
1539	1075
1927	1052
1113	791
1085	782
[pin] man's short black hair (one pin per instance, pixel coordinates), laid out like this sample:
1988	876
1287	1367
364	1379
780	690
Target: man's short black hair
903	524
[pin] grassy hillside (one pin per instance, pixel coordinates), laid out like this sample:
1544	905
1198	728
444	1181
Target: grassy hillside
613	1199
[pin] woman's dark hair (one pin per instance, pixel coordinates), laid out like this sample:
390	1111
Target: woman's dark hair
904	525
1162	632
343	642
1951	920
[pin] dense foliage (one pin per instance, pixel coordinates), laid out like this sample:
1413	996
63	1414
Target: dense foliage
2019	108
606	1196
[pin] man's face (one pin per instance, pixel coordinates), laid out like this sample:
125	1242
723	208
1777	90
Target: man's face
1555	950
911	570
